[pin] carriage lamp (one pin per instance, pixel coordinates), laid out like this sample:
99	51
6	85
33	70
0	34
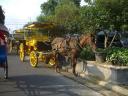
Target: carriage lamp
33	42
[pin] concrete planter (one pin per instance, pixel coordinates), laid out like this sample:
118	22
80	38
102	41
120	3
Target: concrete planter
108	73
100	57
81	66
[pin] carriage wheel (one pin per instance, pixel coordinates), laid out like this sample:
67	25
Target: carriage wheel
33	59
22	52
52	61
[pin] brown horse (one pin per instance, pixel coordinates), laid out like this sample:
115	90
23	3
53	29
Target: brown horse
71	47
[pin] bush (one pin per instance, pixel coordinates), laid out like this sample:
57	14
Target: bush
118	56
101	50
87	53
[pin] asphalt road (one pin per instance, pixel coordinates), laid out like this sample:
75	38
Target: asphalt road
42	81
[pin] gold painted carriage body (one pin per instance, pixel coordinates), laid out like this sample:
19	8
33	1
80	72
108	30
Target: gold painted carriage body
36	43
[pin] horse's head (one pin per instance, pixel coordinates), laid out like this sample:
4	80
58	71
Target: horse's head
87	39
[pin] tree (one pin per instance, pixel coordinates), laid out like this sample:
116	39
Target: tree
49	7
111	12
77	2
64	13
67	14
116	18
105	14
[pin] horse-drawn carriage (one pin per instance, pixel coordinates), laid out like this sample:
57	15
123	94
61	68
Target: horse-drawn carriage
15	39
36	43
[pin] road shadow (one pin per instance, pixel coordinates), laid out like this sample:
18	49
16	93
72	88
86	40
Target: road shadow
36	85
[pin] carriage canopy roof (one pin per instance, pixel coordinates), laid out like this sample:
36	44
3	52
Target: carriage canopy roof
37	25
19	31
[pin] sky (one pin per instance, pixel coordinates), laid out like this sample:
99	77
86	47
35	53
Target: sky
19	12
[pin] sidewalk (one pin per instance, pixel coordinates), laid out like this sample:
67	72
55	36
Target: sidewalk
97	85
121	89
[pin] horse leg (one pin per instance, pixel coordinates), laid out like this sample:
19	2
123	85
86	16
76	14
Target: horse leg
74	62
57	65
57	68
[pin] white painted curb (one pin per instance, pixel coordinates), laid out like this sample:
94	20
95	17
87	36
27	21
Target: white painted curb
115	88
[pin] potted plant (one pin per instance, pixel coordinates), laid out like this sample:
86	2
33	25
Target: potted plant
100	55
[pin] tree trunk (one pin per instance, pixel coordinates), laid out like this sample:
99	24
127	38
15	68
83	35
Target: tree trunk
105	40
112	40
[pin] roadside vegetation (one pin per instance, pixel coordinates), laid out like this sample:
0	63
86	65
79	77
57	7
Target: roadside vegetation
71	18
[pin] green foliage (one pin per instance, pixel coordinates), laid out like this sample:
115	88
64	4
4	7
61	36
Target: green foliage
98	14
117	11
68	16
87	53
118	56
48	7
41	18
77	2
90	2
64	13
106	13
93	18
101	50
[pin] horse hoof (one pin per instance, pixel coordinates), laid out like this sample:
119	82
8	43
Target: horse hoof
5	77
75	74
66	70
57	70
